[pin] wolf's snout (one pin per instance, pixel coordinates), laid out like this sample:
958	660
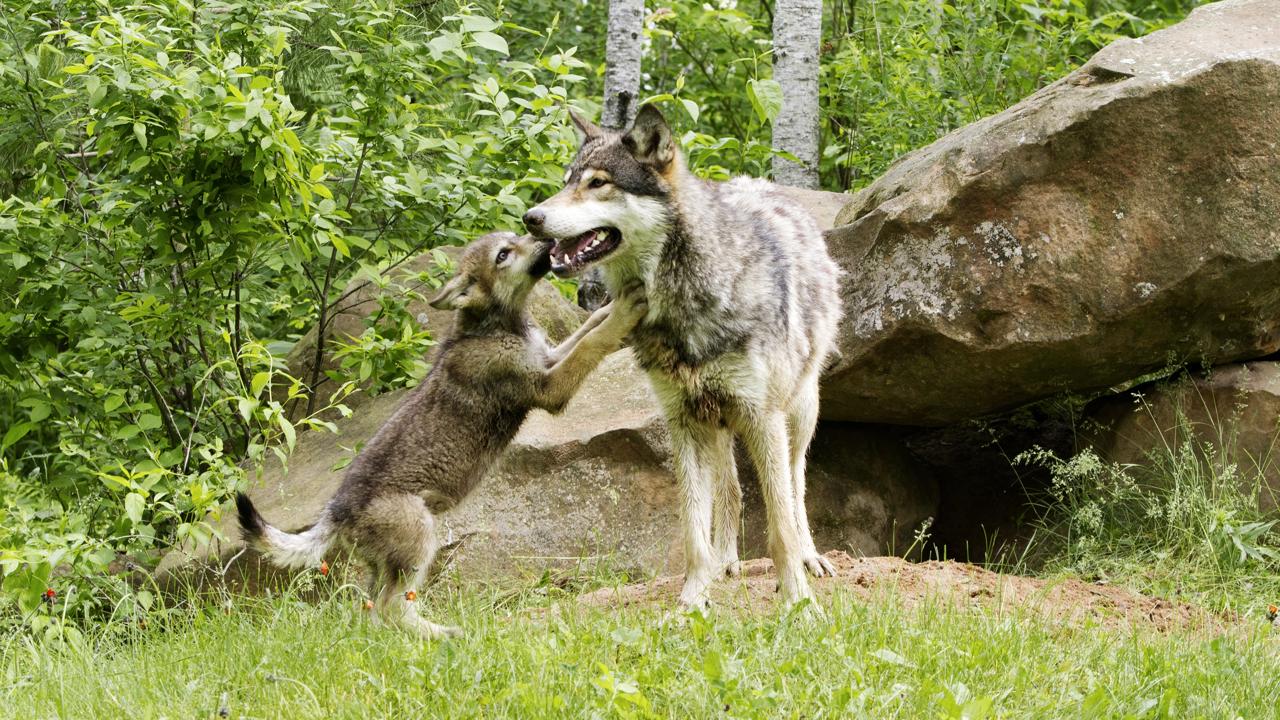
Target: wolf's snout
533	220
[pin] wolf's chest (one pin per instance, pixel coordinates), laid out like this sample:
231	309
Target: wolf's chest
704	380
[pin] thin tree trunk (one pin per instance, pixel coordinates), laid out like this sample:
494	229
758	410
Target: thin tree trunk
622	62
621	93
797	37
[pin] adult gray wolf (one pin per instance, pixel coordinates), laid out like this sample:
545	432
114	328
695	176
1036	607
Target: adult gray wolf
742	314
492	368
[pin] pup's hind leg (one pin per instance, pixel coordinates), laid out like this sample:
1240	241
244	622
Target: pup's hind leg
803	421
405	534
727	514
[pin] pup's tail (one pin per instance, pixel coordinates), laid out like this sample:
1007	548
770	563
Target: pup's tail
291	550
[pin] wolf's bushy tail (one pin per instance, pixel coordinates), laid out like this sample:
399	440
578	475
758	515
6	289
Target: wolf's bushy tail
291	550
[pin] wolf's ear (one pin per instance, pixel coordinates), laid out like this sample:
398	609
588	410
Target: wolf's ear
453	296
586	129
649	138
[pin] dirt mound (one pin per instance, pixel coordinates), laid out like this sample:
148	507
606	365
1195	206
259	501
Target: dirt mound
1068	601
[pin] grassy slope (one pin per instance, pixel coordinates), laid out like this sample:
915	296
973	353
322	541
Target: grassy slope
287	659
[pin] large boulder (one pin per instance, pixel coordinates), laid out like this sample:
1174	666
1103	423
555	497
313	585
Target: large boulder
593	483
1121	218
1229	418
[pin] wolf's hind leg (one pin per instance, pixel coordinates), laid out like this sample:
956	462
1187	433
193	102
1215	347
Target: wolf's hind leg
803	421
408	537
727	504
765	436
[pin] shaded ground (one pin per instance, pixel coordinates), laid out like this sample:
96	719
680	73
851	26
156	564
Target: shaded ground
1066	601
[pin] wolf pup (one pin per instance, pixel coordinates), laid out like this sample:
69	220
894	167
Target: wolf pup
493	367
742	314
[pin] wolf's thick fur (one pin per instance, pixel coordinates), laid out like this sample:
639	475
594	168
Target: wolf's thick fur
494	366
742	313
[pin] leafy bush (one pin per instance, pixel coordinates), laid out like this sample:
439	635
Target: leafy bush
190	187
1185	522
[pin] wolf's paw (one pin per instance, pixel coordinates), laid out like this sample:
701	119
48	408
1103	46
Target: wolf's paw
733	568
432	631
702	606
806	610
793	585
818	566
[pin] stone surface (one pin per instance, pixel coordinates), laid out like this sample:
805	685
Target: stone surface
596	482
1121	218
1234	409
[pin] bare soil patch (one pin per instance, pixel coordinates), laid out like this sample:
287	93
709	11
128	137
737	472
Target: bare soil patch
1067	601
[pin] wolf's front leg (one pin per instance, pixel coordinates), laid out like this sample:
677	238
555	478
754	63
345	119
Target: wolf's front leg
727	504
693	448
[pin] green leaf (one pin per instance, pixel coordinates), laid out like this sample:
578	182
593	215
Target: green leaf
478	23
134	504
690	107
766	98
139	162
290	434
340	245
140	132
246	406
259	381
15	433
149	422
317	172
39	411
490	41
112	402
891	657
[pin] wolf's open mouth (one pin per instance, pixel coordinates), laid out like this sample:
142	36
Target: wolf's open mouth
572	254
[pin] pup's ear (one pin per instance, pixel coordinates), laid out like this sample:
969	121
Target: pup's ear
454	294
649	139
586	129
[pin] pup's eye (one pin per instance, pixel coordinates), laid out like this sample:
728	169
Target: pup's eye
597	182
503	254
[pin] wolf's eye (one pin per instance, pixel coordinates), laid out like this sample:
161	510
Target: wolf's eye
597	182
503	254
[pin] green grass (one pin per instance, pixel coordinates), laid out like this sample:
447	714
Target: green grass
281	658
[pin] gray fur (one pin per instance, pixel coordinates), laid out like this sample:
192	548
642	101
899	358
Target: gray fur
743	308
491	370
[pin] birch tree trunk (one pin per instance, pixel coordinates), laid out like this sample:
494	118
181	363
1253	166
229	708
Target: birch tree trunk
622	63
797	36
621	93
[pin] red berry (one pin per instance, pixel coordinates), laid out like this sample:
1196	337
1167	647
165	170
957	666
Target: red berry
324	568
410	595
50	594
